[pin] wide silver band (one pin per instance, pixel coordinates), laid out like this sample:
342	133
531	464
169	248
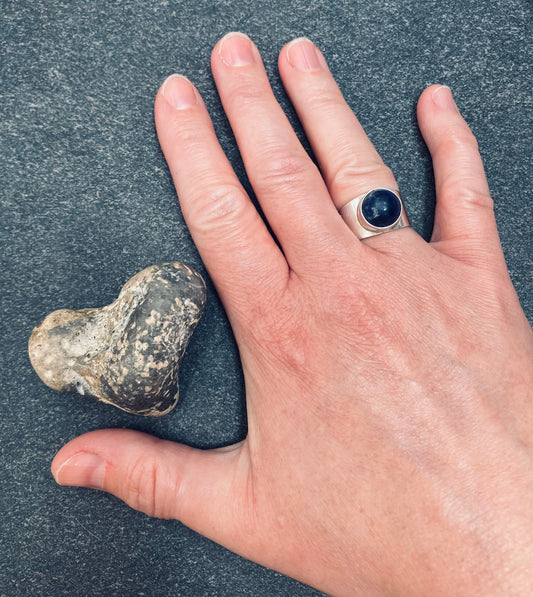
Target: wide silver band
352	214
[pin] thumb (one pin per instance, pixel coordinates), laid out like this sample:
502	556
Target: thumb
204	489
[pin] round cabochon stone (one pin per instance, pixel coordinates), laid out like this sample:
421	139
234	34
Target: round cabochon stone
381	208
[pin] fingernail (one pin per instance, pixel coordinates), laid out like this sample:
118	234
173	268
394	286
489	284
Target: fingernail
179	92
82	470
443	98
236	49
303	55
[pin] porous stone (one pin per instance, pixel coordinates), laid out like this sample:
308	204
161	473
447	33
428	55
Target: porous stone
127	353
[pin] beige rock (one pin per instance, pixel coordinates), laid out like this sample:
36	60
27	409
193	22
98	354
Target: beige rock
127	353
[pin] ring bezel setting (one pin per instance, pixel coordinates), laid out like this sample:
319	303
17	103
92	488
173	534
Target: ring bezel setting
375	212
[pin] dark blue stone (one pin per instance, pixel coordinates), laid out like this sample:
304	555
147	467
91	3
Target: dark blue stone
381	208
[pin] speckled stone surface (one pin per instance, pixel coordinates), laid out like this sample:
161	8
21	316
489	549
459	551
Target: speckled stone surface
128	353
87	201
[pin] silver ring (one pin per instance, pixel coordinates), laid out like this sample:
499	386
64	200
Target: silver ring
375	212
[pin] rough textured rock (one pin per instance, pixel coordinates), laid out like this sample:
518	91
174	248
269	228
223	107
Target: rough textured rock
127	353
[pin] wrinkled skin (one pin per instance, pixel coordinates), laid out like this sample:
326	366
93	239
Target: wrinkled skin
388	381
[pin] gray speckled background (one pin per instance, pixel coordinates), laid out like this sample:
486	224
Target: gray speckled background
87	201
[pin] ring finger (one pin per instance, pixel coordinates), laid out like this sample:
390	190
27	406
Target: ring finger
348	161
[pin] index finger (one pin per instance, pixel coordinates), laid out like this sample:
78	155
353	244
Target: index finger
232	239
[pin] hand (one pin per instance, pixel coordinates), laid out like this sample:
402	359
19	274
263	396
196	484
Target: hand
388	381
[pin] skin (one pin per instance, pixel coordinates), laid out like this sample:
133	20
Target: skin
388	381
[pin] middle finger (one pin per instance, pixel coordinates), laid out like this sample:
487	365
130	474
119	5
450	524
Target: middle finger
288	185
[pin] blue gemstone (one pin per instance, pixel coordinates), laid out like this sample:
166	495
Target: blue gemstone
381	208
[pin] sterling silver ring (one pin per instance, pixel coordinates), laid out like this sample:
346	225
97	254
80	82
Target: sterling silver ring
375	212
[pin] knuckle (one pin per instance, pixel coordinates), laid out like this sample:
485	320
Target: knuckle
185	135
185	128
247	94
460	193
217	206
284	336
326	99
282	172
351	177
458	140
474	197
144	491
280	335
463	184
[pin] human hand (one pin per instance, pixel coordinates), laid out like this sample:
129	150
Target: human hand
388	381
